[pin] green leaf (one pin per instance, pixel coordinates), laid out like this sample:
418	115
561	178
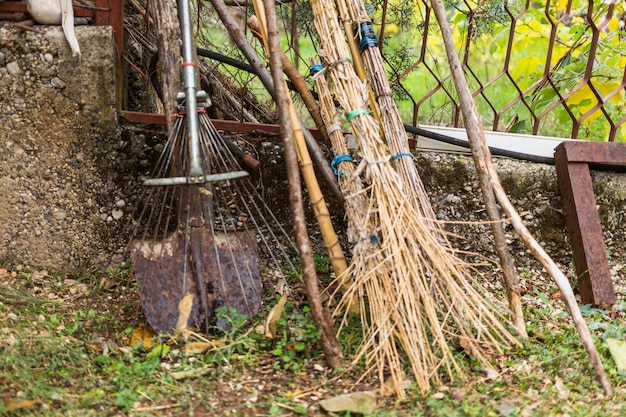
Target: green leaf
518	127
159	350
300	409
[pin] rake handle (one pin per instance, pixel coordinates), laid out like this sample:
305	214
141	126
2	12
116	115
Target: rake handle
191	88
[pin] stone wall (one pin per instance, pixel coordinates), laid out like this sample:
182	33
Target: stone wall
58	144
532	188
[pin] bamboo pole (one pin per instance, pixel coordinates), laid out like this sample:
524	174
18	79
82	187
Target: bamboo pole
322	319
484	164
424	298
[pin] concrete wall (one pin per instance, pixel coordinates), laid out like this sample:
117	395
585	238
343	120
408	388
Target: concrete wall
59	141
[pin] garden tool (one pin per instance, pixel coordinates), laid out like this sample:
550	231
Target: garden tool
196	261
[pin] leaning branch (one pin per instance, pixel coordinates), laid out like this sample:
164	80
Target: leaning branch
484	164
321	316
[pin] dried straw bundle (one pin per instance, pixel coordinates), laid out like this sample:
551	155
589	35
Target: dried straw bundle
367	256
389	117
421	298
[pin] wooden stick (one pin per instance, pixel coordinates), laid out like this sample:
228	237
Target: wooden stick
332	352
301	88
484	164
167	31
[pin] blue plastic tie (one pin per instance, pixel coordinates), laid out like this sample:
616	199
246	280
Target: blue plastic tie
315	68
368	39
400	155
337	159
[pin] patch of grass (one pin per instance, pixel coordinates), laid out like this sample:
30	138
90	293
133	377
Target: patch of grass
52	353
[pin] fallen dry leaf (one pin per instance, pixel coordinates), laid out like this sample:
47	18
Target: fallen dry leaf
273	316
184	310
492	374
13	404
506	408
555	296
438	396
142	336
103	345
192	373
193	348
458	394
363	402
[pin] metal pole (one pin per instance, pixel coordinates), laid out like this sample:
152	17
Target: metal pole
189	79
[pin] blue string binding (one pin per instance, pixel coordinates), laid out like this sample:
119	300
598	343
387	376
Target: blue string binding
315	68
400	155
368	39
372	239
337	159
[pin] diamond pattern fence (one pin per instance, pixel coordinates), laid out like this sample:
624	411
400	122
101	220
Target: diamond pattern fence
555	68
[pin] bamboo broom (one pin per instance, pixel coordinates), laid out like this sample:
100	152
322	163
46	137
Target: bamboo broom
396	137
367	256
422	295
392	124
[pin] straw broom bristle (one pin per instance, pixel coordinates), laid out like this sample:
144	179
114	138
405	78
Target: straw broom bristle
421	298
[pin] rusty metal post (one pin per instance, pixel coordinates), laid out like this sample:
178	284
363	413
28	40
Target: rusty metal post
111	13
583	222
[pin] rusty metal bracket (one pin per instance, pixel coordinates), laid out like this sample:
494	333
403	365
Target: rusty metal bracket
226	125
572	160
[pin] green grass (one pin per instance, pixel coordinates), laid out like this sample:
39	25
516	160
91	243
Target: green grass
52	362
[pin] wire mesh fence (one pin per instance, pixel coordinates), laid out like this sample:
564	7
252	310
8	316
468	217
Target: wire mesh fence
547	67
554	68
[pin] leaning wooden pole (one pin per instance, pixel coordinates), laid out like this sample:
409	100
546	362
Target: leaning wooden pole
484	164
322	318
